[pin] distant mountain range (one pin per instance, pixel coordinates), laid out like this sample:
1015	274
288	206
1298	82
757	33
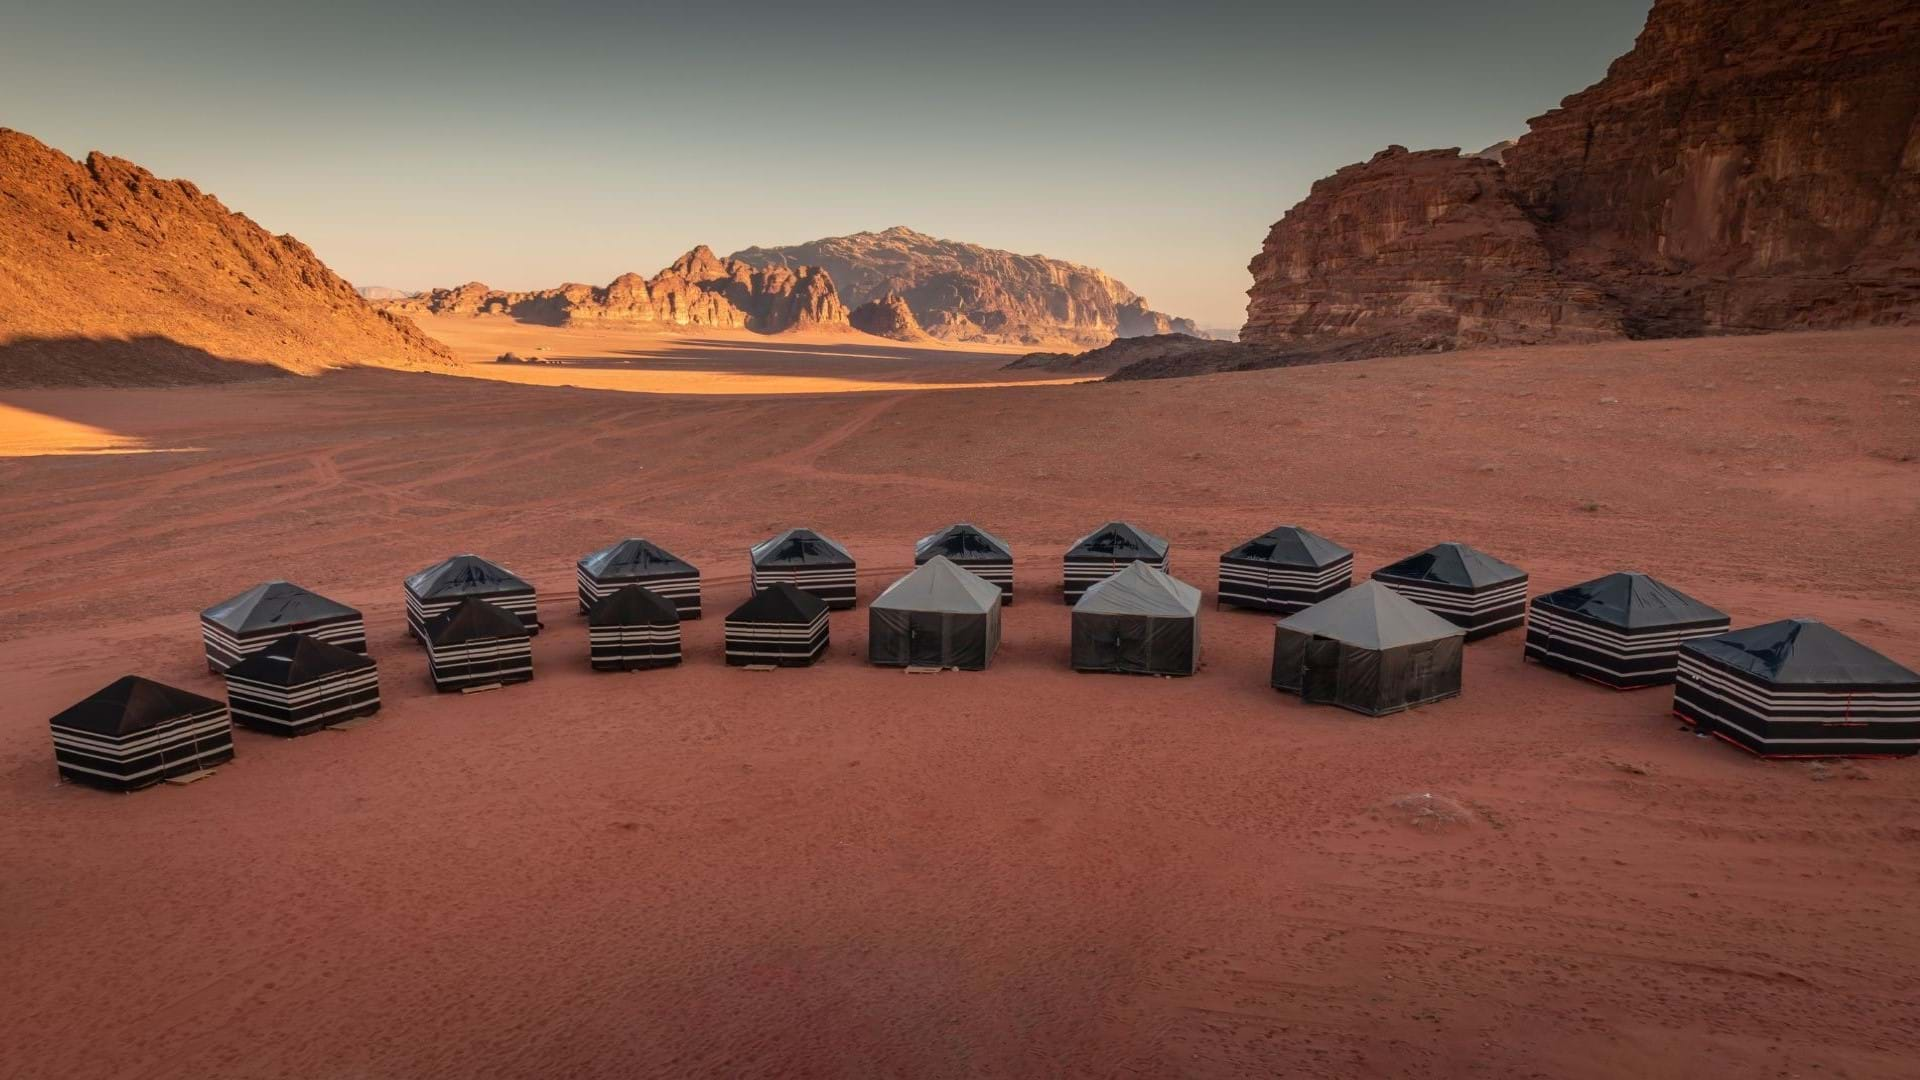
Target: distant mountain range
964	292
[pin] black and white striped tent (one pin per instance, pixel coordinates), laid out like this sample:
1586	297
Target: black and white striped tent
1465	586
940	616
634	561
1623	630
300	684
1105	552
477	643
807	560
1368	649
633	628
780	626
136	732
1139	621
439	587
1283	570
974	549
1798	688
270	611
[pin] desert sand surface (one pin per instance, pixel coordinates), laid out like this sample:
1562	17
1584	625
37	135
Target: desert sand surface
705	360
850	871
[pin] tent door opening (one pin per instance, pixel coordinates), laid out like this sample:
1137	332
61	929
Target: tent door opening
1320	679
925	641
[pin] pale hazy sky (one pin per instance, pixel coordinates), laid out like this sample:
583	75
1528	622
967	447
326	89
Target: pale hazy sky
523	143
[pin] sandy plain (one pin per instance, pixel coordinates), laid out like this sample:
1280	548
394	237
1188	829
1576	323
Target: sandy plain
849	871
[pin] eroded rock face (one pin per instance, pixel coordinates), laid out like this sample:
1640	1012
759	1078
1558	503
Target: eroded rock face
1747	166
102	257
964	292
888	317
699	289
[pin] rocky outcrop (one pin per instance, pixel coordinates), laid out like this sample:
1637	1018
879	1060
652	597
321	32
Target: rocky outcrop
1416	251
103	259
888	317
1113	356
1749	165
699	289
1172	356
964	292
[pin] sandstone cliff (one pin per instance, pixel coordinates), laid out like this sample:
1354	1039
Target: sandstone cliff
888	317
1749	165
109	274
699	289
964	292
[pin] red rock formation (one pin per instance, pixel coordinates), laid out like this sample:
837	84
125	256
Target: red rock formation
1749	165
103	253
888	317
964	292
1424	251
699	289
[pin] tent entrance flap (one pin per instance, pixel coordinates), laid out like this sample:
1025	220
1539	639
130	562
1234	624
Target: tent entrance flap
1320	676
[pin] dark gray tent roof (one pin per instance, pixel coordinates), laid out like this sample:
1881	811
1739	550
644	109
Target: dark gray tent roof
941	586
1804	652
130	704
633	605
1290	545
960	541
1121	540
273	603
474	619
1371	616
1141	590
798	547
633	557
1631	600
780	603
296	660
1454	563
463	574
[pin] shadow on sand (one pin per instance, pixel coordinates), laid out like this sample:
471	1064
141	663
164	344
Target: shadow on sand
145	360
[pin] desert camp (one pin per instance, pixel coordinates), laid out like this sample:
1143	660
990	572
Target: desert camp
1623	630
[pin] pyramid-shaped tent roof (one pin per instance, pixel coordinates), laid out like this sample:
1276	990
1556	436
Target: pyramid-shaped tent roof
473	619
1121	540
131	704
1454	564
296	660
461	575
780	603
270	604
962	541
1633	601
798	547
632	558
1141	590
1371	616
633	605
941	586
1804	652
1290	545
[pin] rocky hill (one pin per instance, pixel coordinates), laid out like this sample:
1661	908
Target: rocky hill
109	274
699	289
888	317
964	292
1749	165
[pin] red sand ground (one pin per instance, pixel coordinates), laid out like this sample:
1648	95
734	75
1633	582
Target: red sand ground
848	871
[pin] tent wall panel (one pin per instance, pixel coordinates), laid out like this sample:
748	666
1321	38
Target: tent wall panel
1481	613
1080	573
523	604
836	585
481	662
1624	659
225	649
1265	587
777	643
682	589
305	708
